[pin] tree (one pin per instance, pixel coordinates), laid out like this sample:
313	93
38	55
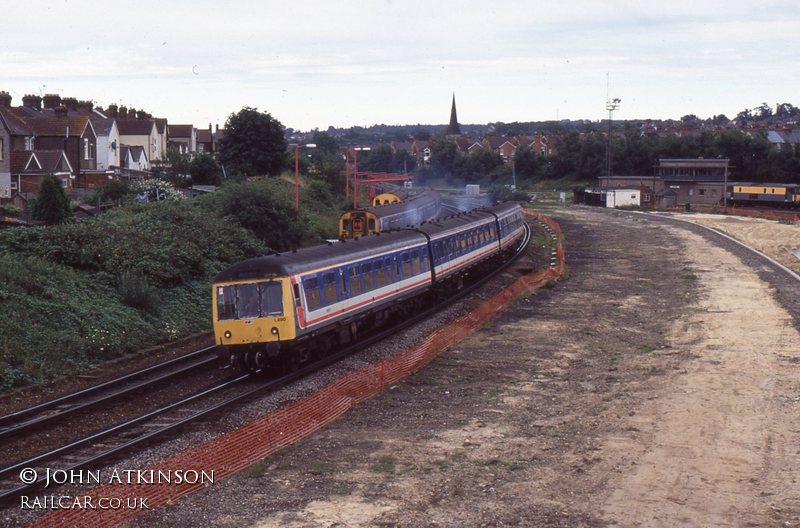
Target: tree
178	166
204	170
52	204
253	143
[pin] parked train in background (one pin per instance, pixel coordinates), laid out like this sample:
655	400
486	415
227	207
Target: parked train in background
292	305
414	210
764	194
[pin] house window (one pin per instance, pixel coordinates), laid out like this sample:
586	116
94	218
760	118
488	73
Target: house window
13	186
29	141
646	197
88	149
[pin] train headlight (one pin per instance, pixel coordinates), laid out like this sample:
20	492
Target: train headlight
274	330
228	334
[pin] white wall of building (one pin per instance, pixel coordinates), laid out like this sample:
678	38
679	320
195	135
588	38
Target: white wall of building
623	197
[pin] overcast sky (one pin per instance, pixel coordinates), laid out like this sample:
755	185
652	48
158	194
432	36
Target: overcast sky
312	64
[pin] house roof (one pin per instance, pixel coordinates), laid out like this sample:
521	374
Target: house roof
102	126
204	136
161	125
14	125
176	131
39	162
48	123
135	127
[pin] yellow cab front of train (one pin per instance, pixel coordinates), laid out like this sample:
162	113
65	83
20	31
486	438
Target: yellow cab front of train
248	312
358	223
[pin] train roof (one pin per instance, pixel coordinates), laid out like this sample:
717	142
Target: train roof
764	184
310	258
412	202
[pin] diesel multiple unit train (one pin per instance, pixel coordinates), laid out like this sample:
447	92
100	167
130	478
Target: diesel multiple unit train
290	305
413	210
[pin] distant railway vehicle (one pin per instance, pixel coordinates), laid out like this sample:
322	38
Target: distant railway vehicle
288	306
371	220
768	194
390	194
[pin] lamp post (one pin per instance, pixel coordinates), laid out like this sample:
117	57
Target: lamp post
297	174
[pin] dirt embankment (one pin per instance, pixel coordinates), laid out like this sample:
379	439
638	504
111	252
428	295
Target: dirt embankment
658	386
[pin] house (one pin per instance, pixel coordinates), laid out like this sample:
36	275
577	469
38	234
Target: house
29	167
141	133
5	150
500	145
783	139
108	141
183	138
134	158
55	129
205	141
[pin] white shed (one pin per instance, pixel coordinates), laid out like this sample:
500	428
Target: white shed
623	198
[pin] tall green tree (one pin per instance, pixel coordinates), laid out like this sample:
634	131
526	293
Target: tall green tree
52	204
204	170
253	144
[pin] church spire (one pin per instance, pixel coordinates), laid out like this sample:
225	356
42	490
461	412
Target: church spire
453	129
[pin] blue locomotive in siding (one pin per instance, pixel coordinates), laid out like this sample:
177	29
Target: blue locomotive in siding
295	304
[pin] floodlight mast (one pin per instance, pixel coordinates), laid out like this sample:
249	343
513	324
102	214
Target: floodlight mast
611	106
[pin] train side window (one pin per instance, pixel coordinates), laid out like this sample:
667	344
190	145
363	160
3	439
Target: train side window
387	269
313	298
329	287
371	224
415	263
380	274
346	225
369	280
406	264
425	264
397	267
355	281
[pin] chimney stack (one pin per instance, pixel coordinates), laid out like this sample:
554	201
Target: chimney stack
61	111
32	101
113	111
123	112
85	106
51	100
71	103
5	100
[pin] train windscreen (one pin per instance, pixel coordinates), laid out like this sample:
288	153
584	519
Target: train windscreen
248	301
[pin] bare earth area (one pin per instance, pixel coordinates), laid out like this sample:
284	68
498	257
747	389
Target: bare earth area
659	385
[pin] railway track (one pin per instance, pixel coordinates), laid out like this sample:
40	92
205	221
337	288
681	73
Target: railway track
59	408
110	443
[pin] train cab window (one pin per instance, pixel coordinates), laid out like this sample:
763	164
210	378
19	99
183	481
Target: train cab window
406	264
355	281
329	287
346	226
415	263
313	298
226	302
371	224
369	278
271	299
247	301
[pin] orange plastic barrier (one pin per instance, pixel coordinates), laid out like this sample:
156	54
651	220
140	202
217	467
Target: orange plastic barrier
250	443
